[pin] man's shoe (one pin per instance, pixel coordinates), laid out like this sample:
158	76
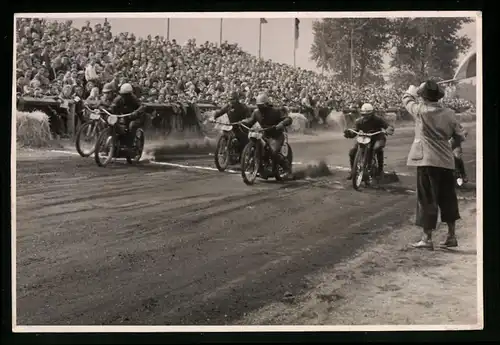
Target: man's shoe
349	175
451	242
423	244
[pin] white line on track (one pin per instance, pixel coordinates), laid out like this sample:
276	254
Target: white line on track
199	167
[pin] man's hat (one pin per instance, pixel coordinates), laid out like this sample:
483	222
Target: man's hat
430	90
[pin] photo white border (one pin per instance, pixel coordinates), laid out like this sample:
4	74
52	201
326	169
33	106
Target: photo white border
477	15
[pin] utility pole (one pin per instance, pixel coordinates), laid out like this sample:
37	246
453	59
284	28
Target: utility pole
168	29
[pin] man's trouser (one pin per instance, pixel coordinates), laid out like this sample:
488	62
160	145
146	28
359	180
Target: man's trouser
435	193
377	148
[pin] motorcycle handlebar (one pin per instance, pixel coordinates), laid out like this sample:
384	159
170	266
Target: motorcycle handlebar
367	134
257	130
108	113
226	124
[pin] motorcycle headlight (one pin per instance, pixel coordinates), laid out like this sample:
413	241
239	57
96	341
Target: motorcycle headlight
363	140
94	116
255	135
112	119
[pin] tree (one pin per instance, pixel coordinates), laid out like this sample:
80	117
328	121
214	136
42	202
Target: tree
332	42
428	47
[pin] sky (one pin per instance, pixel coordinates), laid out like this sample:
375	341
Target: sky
277	34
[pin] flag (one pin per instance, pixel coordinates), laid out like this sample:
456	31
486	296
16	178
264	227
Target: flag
297	22
467	68
263	20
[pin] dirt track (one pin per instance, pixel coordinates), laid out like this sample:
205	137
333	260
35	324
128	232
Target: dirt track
151	244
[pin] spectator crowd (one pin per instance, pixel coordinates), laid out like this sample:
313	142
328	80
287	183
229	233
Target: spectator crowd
56	59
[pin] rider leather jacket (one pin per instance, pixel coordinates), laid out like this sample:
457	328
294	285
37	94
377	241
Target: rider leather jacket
125	104
235	113
369	124
271	117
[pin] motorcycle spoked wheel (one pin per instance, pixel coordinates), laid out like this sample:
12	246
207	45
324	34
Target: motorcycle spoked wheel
372	171
250	160
87	130
139	147
222	152
105	142
358	168
279	172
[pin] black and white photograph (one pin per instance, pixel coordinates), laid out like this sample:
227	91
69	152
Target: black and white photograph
247	171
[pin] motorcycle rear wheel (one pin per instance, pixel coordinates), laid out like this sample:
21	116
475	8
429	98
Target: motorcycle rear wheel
138	150
280	173
250	157
105	141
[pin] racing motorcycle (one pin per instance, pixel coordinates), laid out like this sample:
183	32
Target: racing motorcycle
89	132
227	151
459	178
111	141
362	170
257	157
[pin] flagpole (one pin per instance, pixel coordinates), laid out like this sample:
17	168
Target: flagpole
220	34
260	36
294	41
168	29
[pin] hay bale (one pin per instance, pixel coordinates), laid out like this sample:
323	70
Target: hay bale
33	129
299	122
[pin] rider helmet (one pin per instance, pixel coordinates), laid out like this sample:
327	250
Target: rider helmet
366	109
234	97
126	89
262	99
107	88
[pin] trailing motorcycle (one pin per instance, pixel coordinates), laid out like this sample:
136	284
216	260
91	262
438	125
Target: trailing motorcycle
112	142
227	151
362	170
89	132
257	157
460	180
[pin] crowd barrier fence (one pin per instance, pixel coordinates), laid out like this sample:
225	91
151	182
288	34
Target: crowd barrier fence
161	119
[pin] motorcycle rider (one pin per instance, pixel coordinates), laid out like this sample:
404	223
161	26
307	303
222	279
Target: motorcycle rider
126	102
369	123
236	112
267	116
108	95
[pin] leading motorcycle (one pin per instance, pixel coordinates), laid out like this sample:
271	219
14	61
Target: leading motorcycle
257	156
362	170
111	141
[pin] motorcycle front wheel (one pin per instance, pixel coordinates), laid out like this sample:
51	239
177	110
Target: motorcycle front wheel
88	133
250	160
221	157
105	148
358	168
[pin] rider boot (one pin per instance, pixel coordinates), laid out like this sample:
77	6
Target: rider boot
380	159
283	162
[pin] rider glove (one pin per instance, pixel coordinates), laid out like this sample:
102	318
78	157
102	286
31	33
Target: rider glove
280	127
